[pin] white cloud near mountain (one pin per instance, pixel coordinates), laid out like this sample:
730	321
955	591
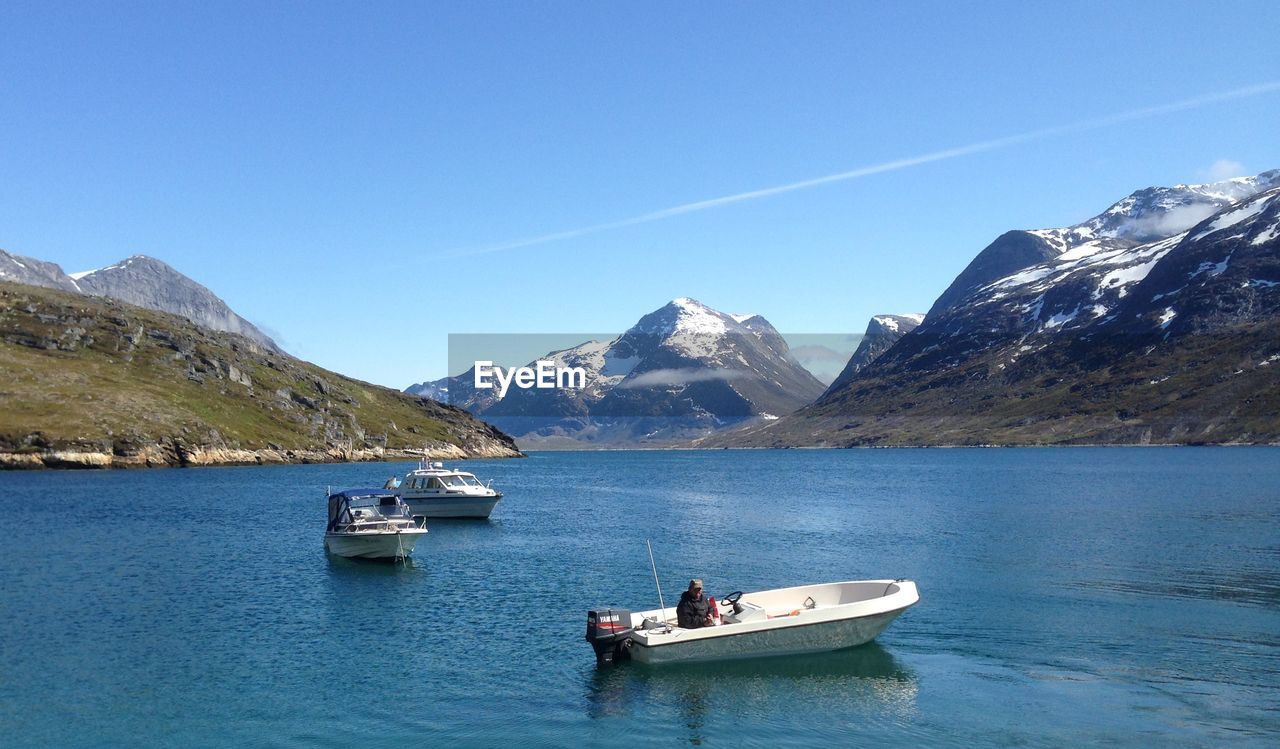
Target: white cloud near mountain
1172	221
675	377
1223	169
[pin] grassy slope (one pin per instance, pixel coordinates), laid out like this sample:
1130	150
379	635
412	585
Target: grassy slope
91	372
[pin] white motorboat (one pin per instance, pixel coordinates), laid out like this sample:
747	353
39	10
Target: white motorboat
371	524
433	491
786	621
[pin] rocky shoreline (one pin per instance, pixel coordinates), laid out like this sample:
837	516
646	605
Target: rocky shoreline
175	455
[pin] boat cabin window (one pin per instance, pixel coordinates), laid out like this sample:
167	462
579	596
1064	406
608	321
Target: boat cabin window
454	481
363	508
434	483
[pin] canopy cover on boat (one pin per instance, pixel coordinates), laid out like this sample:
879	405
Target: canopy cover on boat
340	504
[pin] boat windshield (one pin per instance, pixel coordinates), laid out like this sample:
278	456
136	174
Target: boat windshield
386	506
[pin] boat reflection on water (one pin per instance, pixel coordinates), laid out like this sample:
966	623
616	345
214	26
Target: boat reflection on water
866	680
361	566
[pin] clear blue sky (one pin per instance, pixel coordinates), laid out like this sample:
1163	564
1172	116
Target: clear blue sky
326	168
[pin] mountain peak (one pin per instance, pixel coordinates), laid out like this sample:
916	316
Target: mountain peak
684	317
148	282
131	262
1144	216
681	371
693	329
1218	272
1154	213
882	333
893	323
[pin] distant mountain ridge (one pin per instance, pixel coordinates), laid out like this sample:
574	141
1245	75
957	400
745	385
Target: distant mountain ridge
28	270
882	332
1130	327
142	281
681	371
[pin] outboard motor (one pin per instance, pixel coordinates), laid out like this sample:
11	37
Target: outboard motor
609	632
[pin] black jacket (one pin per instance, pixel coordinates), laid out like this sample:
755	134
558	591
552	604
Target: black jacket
692	612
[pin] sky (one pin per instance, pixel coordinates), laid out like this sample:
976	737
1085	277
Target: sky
363	180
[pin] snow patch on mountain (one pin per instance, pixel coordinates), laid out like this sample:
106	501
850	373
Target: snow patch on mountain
1267	234
895	323
1231	218
1107	273
1121	279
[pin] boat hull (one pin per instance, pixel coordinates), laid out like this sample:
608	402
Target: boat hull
818	637
372	545
451	507
787	621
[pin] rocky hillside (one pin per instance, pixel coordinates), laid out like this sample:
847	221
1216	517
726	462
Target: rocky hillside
141	281
28	270
89	381
1130	328
146	282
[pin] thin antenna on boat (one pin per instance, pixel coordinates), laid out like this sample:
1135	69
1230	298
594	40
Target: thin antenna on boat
655	580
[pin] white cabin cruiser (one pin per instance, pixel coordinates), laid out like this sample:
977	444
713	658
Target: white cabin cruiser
786	621
433	491
371	524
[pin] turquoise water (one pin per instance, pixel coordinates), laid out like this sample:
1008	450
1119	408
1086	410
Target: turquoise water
1071	596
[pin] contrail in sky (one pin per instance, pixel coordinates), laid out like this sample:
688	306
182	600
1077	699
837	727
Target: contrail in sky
888	166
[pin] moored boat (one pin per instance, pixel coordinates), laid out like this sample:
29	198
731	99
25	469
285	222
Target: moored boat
433	491
785	621
371	524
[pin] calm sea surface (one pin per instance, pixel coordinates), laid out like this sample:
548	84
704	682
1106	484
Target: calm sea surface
1069	596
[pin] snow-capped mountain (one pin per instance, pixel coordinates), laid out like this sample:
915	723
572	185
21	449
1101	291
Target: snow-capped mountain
1159	212
1098	286
882	332
1144	216
1134	326
1224	272
683	370
141	281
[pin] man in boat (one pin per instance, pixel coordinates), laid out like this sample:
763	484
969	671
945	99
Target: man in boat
693	611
